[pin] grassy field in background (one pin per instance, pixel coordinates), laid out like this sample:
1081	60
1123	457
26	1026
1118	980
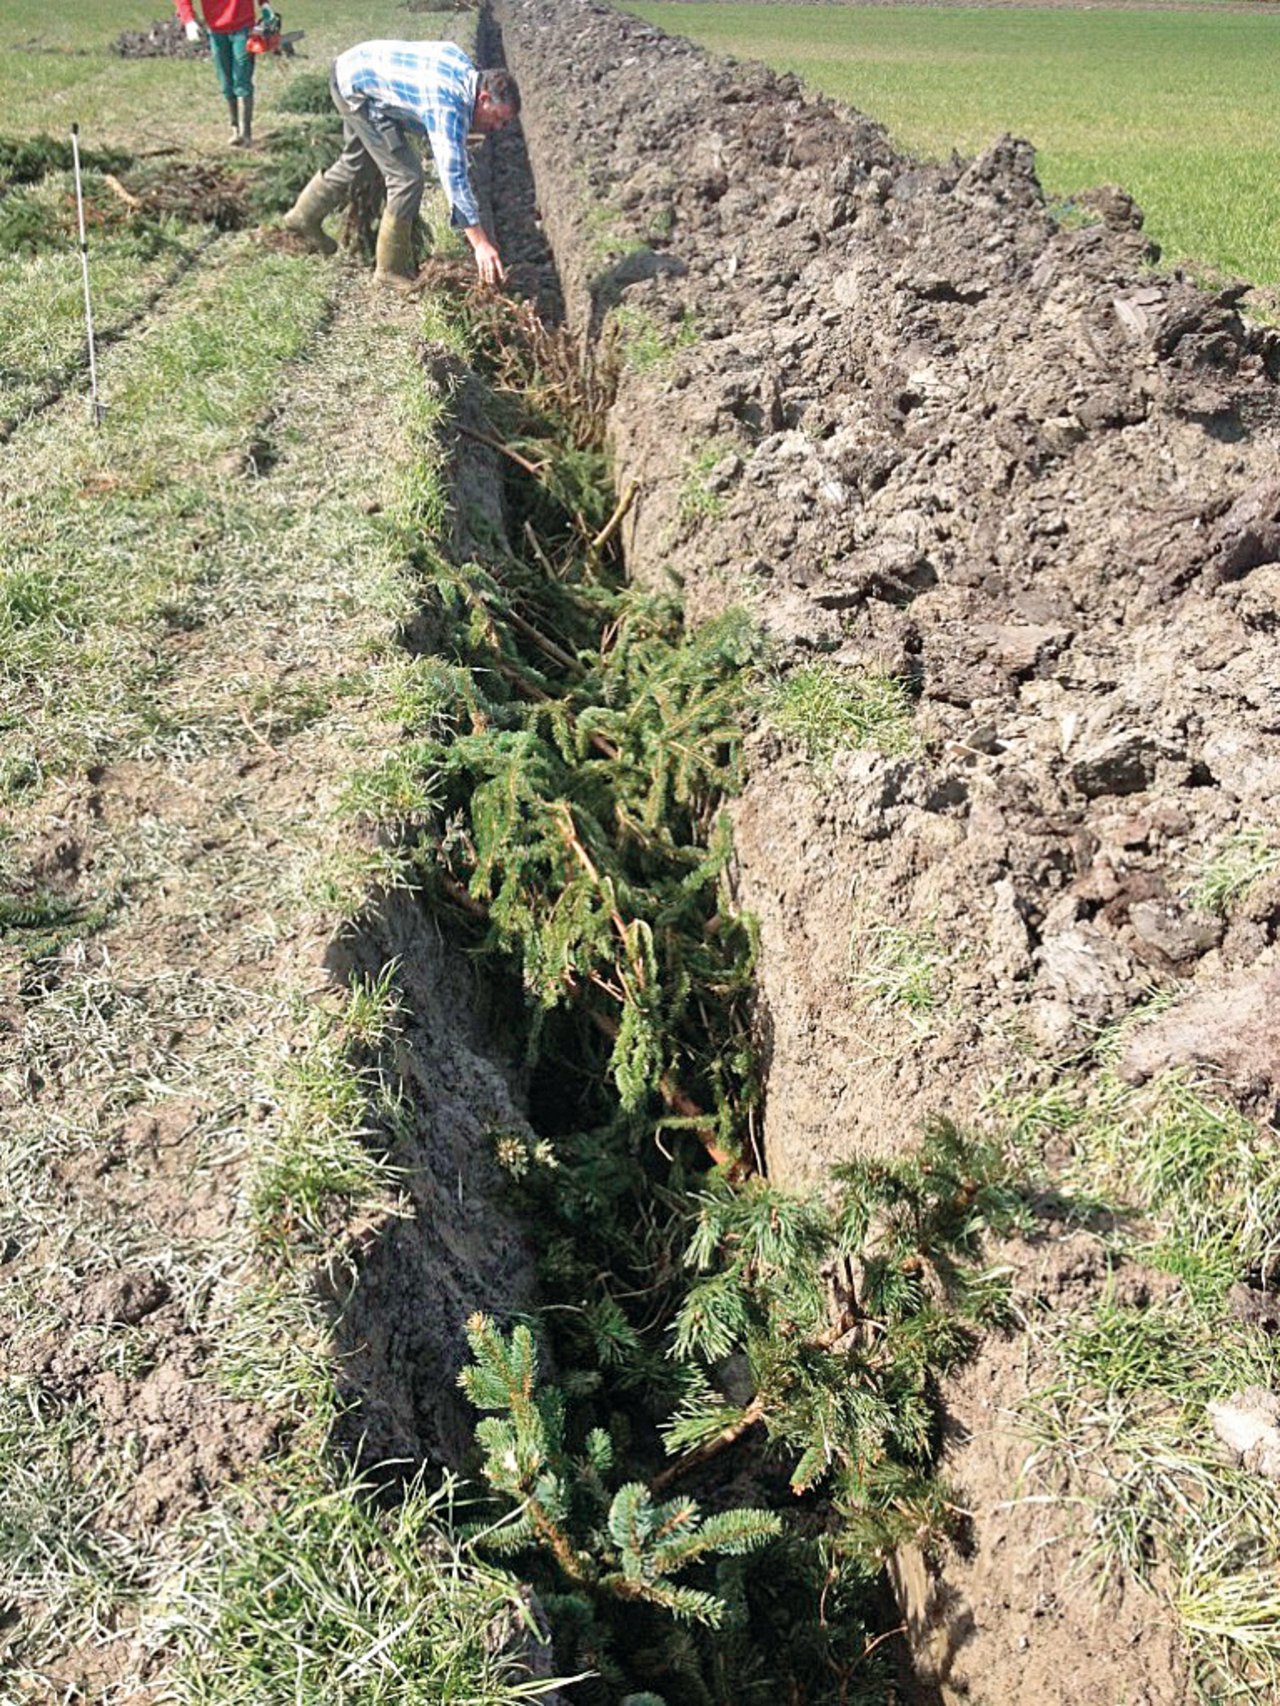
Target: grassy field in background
1181	108
60	71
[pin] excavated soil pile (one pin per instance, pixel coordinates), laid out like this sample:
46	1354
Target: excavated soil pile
164	39
923	428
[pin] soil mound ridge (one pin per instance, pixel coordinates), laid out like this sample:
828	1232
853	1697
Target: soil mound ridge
928	431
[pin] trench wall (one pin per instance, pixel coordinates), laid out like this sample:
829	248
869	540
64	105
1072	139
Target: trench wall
921	426
401	1310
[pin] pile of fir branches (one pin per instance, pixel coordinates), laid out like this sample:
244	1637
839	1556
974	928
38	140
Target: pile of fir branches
706	1332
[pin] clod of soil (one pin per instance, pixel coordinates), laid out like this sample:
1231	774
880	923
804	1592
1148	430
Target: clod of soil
1247	1424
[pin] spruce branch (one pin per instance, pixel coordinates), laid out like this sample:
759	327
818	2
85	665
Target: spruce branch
643	1544
555	652
534	470
611	526
605	891
749	1418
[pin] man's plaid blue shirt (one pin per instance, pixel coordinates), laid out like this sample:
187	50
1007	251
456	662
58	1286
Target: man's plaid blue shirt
427	85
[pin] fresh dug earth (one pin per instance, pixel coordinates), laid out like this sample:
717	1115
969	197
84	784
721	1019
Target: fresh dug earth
924	430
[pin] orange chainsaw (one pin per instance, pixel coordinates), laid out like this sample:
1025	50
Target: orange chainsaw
267	35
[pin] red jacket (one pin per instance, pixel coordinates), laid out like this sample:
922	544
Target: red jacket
221	16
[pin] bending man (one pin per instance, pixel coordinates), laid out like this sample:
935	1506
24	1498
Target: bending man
386	90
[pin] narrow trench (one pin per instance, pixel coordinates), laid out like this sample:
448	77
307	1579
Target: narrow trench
564	1087
577	873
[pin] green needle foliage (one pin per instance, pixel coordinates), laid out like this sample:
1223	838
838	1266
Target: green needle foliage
27	159
839	1317
626	1547
568	748
577	745
574	823
845	1313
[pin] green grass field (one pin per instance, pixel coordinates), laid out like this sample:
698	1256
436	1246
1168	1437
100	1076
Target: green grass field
1181	108
169	612
62	72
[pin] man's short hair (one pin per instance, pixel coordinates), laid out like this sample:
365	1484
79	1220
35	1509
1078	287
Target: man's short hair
502	89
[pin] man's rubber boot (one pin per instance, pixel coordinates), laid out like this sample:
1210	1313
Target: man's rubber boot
233	107
246	122
305	216
394	253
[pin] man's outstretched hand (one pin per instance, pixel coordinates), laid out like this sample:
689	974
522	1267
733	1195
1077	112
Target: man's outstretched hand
488	260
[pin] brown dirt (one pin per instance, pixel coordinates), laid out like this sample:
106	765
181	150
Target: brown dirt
1006	461
1017	1613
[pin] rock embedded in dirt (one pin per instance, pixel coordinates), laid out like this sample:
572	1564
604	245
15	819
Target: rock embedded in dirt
1248	534
1173	932
1124	763
1086	981
1248	1424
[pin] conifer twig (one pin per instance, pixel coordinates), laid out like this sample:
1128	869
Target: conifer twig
871	1646
570	834
539	696
674	1097
710	1448
611	526
517	679
460	895
539	639
530	468
824	1341
536	546
117	188
558	1542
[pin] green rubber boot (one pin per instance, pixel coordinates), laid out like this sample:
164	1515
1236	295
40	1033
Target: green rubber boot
394	253
246	122
305	216
233	107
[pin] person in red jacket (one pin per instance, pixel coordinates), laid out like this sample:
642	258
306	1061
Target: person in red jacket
228	23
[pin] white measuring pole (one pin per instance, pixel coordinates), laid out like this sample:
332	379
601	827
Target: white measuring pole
97	407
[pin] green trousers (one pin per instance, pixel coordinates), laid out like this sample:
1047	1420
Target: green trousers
232	61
